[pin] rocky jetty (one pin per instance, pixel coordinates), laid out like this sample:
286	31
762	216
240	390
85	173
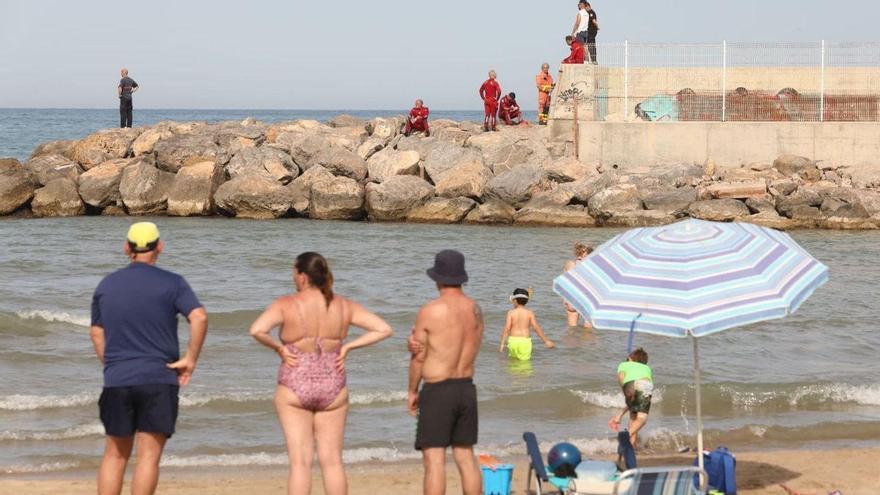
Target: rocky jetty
351	169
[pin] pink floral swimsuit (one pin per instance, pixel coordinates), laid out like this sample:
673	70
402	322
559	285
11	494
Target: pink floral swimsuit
316	380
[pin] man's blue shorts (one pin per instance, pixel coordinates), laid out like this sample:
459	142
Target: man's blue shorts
144	408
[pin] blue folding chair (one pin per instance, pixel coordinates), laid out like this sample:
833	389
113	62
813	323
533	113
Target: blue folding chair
536	467
663	480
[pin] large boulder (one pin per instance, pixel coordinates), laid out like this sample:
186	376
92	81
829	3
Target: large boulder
503	151
45	168
342	162
556	216
615	200
340	198
515	187
802	197
393	199
584	189
789	165
423	146
389	163
491	212
466	179
264	161
442	210
385	128
99	186
144	188
568	169
718	210
192	192
147	139
370	147
760	204
16	185
300	190
452	134
677	175
773	220
61	147
102	146
251	196
671	201
640	218
344	120
58	198
737	190
444	157
186	149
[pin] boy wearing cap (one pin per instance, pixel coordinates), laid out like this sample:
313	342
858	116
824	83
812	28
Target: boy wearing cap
517	329
134	331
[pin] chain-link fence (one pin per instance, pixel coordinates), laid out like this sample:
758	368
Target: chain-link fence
806	82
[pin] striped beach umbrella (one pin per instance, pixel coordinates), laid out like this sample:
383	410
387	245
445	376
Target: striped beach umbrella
691	279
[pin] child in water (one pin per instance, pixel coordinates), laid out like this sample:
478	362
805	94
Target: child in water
637	381
517	329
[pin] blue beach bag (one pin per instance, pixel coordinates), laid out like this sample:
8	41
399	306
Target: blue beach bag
720	465
497	481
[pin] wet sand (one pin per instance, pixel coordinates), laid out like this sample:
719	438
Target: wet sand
808	472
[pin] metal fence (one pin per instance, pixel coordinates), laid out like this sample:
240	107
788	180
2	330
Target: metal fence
807	82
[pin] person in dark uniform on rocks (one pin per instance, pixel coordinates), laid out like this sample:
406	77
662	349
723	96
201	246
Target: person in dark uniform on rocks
127	86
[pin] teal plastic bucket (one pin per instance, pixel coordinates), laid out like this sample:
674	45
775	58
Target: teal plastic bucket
497	482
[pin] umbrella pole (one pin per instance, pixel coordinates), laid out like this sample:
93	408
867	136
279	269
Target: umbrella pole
699	403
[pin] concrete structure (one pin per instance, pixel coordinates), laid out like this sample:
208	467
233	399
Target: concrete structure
634	143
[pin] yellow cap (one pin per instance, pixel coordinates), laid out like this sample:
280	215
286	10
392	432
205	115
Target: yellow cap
143	236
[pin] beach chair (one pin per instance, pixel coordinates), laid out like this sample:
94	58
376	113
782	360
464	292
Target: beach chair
537	468
649	481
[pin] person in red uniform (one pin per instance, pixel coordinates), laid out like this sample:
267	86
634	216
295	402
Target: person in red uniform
577	55
418	120
510	113
490	92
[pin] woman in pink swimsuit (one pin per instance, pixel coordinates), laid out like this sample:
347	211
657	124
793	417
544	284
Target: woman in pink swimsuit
311	397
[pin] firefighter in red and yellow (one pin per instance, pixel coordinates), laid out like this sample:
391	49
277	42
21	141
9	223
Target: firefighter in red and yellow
490	92
509	112
418	120
577	55
544	82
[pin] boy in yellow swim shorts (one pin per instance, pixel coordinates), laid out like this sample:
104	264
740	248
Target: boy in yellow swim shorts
517	330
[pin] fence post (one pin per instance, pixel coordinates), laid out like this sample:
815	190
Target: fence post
822	86
626	80
724	81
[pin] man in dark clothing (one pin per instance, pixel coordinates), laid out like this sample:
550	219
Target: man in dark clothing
134	330
127	86
592	31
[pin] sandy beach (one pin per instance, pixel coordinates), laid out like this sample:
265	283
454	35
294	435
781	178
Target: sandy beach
808	472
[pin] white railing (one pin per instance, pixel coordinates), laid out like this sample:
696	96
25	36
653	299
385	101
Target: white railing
739	81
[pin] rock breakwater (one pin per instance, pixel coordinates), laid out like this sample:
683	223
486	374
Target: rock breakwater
351	169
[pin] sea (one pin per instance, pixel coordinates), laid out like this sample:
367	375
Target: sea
806	381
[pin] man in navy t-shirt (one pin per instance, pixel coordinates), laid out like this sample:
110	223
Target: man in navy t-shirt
134	329
126	87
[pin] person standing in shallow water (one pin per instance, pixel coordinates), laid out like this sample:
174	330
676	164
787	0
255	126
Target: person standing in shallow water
444	344
581	251
127	86
134	331
311	397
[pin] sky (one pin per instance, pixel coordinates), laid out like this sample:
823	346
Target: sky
295	54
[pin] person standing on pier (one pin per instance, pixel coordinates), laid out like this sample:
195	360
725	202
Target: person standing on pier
544	82
490	92
127	86
586	27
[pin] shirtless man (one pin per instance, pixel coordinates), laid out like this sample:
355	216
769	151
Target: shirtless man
445	342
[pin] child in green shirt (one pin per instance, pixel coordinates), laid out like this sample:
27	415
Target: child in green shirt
637	381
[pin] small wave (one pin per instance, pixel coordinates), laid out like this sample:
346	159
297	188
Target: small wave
19	402
365	398
37	468
199	399
350	456
610	400
866	395
80	431
54	317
